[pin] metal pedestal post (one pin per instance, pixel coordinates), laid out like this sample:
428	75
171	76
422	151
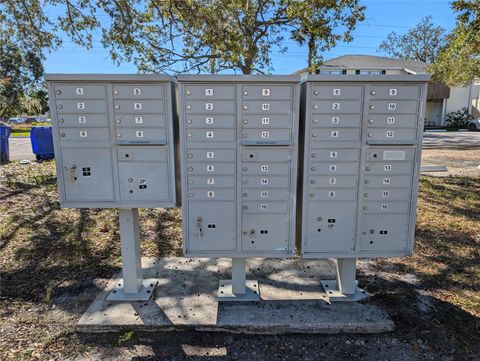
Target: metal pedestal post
238	288
132	287
344	288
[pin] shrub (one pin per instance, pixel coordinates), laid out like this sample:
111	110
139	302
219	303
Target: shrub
458	119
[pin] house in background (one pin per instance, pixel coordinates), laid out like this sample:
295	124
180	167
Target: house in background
441	99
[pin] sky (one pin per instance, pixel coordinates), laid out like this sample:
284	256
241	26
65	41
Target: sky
382	17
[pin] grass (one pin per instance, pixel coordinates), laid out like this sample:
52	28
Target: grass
23	130
53	261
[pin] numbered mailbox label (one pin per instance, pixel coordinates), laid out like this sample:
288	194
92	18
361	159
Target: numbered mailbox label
392	106
334	134
208	106
137	91
384	207
264	207
332	181
337	92
209	120
390	120
266	106
335	120
209	134
210	155
80	105
210	168
211	194
139	133
265	135
332	167
387	167
264	194
83	134
138	120
392	92
208	92
264	168
335	106
82	119
79	91
266	92
210	181
137	106
390	133
333	155
264	181
385	194
387	181
331	194
265	121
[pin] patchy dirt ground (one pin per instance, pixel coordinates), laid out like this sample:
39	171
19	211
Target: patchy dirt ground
53	261
460	162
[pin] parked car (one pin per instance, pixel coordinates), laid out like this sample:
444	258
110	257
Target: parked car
18	120
474	124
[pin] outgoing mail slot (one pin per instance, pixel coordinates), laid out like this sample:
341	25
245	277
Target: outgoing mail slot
336	121
136	91
210	135
267	121
388	134
341	194
144	181
269	233
273	154
268	136
390	194
140	106
350	92
209	106
332	168
142	154
385	207
334	154
266	106
79	91
402	154
82	120
83	106
211	155
385	168
335	134
213	194
84	135
275	92
211	168
249	194
264	207
266	168
263	182
209	181
388	181
335	181
391	121
334	107
210	121
394	92
392	107
140	121
209	91
141	135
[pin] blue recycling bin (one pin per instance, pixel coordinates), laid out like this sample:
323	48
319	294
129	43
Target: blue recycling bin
42	142
4	149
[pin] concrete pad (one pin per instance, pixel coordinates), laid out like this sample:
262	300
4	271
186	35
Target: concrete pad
292	301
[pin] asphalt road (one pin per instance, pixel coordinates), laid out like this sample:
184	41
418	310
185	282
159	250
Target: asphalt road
20	148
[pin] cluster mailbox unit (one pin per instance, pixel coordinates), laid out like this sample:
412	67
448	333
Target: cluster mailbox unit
238	144
363	137
239	139
114	147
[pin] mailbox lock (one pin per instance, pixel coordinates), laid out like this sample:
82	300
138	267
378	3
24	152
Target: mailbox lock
60	106
252	231
189	121
315	92
190	169
190	195
244	195
319	219
312	195
367	181
130	180
188	92
61	120
245	107
370	121
245	93
73	176
312	182
373	92
59	92
245	121
314	135
244	208
62	135
369	134
119	121
372	231
245	233
245	135
117	106
365	208
190	182
189	135
315	121
365	195
115	92
190	155
313	169
119	135
244	169
244	182
367	169
372	107
313	155
315	107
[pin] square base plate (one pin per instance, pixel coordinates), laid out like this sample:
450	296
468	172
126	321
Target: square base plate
334	295
252	291
143	294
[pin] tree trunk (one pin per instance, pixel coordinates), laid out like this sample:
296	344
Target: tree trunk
311	52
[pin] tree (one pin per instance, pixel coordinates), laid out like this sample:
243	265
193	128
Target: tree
314	23
423	42
459	61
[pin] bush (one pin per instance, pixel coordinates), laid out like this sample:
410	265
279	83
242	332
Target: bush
458	119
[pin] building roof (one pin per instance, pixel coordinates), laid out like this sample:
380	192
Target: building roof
373	62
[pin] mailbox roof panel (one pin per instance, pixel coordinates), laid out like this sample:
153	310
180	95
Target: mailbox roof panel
237	78
368	78
109	77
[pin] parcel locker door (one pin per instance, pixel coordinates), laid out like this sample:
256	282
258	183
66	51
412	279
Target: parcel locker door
266	233
144	181
387	233
87	174
211	226
331	227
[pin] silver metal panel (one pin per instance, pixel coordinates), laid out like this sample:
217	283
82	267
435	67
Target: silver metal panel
333	168
87	174
388	181
206	155
213	168
249	194
384	232
336	120
390	194
140	106
144	181
209	91
267	121
386	167
210	106
144	135
266	181
138	91
265	92
140	121
81	121
267	107
335	154
80	91
211	195
262	154
341	194
266	233
334	107
385	207
83	106
336	134
211	135
393	107
268	136
394	92
79	136
337	92
210	121
392	121
265	207
342	181
195	182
